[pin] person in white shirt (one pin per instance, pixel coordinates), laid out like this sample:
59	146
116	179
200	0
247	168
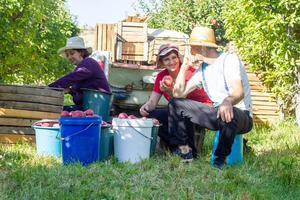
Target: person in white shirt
223	77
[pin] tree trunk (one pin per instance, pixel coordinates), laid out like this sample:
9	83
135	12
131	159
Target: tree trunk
297	108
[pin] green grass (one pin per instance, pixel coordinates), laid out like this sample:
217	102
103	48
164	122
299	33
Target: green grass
271	171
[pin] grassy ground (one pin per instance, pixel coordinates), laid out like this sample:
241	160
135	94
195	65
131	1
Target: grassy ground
271	171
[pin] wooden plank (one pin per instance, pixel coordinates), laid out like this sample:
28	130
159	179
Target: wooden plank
13	139
135	38
32	98
265	103
100	39
5	121
28	114
257	87
104	37
16	130
133	57
264	112
261	94
133	24
30	106
133	48
25	89
262	98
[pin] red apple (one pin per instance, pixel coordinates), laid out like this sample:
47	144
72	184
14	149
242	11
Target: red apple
155	122
123	116
65	114
46	124
78	113
168	81
55	125
132	117
89	112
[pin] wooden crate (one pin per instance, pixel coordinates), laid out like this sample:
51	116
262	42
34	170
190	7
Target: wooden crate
106	38
157	42
21	106
132	32
264	106
133	51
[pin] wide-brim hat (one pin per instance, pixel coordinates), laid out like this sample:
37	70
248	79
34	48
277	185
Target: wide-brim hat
74	43
164	50
203	36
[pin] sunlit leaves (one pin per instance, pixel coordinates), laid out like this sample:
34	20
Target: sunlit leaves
31	33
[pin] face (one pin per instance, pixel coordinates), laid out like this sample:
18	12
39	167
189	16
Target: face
74	56
171	62
199	50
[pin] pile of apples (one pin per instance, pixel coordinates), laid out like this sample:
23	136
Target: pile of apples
125	116
49	124
78	113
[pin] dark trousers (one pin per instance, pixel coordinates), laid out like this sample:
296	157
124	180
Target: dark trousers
163	133
184	112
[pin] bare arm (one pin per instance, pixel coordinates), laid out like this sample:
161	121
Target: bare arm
150	104
225	110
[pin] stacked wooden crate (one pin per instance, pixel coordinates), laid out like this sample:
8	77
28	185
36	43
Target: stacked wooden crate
157	42
157	37
132	42
265	108
21	106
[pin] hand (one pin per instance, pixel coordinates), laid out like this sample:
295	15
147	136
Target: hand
67	90
225	111
145	109
197	59
165	88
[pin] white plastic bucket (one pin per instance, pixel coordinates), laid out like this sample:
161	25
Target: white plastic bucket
132	139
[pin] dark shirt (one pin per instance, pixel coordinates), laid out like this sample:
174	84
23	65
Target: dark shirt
87	74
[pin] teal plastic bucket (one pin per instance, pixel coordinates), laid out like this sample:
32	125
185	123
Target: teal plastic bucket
47	140
236	155
154	134
106	143
100	102
80	139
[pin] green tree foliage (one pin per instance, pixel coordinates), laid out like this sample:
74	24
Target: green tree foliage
31	33
267	34
183	15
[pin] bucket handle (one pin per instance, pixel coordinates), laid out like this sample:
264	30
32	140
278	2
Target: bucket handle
150	138
76	133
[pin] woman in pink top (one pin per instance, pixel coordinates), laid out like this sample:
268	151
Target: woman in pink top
169	58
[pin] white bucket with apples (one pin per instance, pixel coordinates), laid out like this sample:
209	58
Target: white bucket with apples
47	137
132	138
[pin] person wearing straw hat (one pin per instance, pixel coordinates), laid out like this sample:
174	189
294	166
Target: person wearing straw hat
169	58
225	81
87	73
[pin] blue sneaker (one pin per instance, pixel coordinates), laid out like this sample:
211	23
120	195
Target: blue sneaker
186	157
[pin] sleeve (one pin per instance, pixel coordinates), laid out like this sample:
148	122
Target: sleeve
232	68
81	72
196	78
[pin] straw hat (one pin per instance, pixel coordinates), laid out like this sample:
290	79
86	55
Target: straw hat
74	43
164	50
202	36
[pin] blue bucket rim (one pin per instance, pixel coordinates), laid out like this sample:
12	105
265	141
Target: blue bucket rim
93	90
